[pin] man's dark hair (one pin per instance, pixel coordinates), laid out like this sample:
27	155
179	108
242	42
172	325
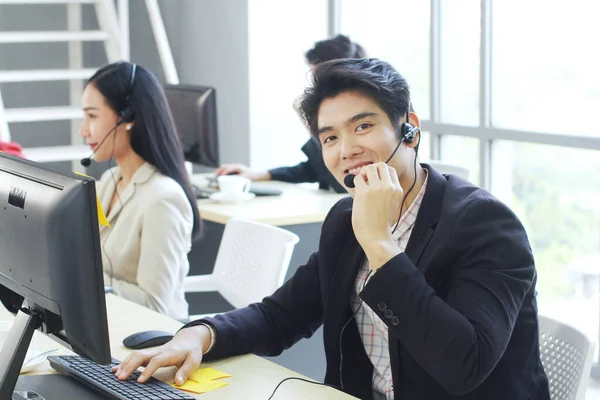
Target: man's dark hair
335	48
369	76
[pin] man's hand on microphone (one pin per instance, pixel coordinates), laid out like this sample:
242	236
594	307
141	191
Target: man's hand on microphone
377	198
242	170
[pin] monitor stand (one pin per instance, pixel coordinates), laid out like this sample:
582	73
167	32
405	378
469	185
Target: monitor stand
15	349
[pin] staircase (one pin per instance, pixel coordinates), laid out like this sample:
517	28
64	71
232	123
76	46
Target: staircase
109	33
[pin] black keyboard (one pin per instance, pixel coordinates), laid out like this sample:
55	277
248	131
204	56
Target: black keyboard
102	379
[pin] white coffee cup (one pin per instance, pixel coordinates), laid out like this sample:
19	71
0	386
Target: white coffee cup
232	186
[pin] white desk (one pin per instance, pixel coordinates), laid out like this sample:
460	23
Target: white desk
252	377
298	204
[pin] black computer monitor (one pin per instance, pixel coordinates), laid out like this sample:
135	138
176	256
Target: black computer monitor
50	264
194	110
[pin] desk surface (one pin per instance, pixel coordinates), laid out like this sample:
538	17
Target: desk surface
252	377
299	204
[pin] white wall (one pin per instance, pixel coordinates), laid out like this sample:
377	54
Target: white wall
214	51
279	33
251	51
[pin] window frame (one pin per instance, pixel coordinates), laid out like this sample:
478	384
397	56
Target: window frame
485	132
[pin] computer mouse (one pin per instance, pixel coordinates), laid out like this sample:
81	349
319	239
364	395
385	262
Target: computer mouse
145	339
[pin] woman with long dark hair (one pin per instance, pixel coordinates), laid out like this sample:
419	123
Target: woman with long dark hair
147	197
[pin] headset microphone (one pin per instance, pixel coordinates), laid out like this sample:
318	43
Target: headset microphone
409	136
88	160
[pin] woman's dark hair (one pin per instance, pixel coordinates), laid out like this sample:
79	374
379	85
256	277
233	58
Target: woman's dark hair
369	76
153	135
335	48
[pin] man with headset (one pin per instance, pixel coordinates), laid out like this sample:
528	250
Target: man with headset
425	283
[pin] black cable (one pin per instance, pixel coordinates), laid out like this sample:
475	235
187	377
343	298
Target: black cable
341	354
394	230
123	117
120	202
414	179
363	286
411	187
299	379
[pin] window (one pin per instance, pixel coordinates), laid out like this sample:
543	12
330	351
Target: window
542	82
459	72
463	152
547	78
555	191
425	147
396	31
277	133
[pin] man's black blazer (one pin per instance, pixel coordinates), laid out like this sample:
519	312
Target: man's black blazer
463	321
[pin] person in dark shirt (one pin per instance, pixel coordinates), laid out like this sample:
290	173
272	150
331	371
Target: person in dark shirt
313	169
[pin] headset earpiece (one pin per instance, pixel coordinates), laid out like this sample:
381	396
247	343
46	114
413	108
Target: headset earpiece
127	114
409	132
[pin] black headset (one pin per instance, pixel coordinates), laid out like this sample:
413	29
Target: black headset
408	132
127	114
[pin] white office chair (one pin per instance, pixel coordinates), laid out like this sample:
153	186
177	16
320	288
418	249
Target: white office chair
445	168
252	262
567	359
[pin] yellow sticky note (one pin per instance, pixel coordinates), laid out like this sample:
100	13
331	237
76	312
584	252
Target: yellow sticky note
208	374
200	387
102	220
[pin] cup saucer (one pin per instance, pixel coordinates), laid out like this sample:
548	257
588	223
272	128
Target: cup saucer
229	199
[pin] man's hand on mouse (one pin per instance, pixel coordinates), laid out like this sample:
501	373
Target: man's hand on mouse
184	351
242	170
377	198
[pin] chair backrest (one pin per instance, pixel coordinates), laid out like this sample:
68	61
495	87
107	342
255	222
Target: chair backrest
445	168
252	261
566	355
